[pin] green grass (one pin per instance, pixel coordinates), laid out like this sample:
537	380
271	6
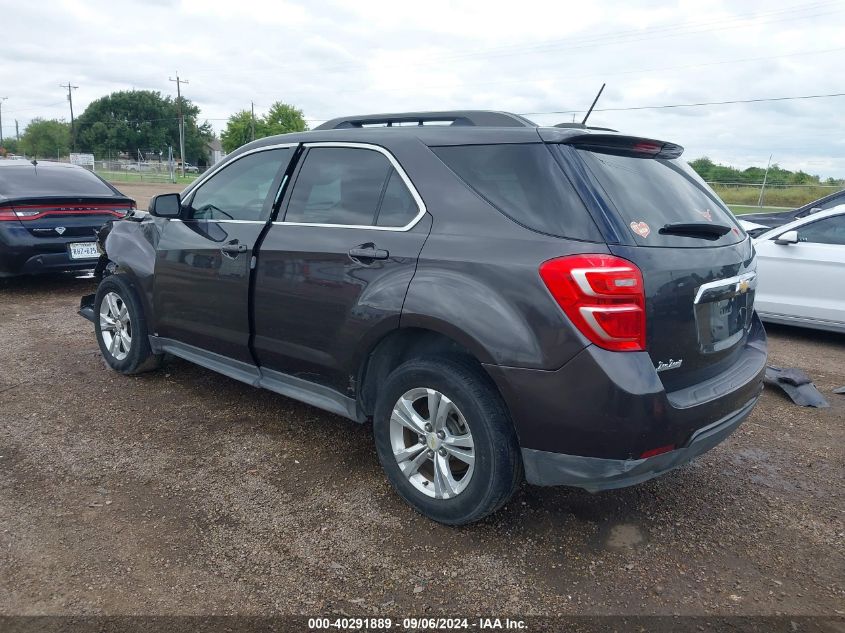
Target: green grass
739	209
129	176
786	197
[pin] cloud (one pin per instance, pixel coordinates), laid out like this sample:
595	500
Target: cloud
350	56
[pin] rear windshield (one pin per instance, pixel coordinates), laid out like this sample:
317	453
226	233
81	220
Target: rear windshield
650	193
524	182
21	181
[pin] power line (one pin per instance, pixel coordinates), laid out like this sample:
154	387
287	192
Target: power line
690	105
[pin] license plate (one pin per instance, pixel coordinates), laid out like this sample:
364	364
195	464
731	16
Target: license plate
83	250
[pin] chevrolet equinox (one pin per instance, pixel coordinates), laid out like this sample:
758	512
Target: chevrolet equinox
564	305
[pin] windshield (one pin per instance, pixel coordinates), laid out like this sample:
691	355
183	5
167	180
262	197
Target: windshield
650	193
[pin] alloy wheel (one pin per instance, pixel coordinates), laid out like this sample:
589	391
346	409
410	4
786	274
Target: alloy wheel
432	443
115	326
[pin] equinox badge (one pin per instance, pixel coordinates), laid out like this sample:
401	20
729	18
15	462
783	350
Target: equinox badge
672	364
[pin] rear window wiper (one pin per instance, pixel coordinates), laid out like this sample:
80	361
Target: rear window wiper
704	230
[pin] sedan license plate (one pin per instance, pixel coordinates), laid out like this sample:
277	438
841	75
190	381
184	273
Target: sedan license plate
83	250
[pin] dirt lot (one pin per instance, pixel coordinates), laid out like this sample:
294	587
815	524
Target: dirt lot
142	192
183	491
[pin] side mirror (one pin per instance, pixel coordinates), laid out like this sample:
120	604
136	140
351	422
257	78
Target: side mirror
166	205
790	237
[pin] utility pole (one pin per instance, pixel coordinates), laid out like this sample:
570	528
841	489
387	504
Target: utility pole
765	178
17	131
179	83
252	124
2	99
70	101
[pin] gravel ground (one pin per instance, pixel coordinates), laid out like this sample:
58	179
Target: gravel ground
182	491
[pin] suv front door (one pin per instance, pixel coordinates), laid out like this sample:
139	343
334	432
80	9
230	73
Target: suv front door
201	291
334	272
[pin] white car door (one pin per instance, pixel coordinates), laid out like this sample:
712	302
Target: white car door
804	280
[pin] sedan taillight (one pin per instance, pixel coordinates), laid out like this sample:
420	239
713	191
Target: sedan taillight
603	296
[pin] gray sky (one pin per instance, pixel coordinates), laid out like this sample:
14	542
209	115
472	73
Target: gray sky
358	56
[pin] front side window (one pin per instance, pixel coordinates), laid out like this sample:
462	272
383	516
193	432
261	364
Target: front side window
239	190
349	186
826	231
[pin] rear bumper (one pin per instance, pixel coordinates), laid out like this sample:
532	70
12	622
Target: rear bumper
595	474
22	254
597	415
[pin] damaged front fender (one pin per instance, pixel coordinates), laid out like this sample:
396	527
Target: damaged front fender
127	247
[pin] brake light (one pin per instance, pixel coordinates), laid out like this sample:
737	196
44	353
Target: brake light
8	215
647	147
603	296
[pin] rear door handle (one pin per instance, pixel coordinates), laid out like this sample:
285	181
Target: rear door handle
368	252
234	248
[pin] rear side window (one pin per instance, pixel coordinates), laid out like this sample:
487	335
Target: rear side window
398	207
650	193
350	186
525	183
36	181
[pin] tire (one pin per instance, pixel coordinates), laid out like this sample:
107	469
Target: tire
476	423
129	353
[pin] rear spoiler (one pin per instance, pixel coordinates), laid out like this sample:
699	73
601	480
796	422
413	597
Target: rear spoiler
620	145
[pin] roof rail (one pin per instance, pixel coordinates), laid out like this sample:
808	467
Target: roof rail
478	118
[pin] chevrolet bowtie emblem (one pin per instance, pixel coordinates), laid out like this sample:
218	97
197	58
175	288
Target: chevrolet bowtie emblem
743	286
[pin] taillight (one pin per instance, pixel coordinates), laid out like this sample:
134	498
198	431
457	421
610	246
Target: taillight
603	296
33	212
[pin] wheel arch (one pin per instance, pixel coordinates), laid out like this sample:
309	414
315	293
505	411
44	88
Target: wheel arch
405	343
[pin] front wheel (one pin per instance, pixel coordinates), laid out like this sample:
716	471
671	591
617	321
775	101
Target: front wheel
445	440
121	328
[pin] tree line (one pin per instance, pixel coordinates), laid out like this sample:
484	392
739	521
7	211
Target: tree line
715	172
144	124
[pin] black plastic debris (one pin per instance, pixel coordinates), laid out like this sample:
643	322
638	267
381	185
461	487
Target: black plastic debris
797	385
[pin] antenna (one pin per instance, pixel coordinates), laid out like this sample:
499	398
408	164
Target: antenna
590	111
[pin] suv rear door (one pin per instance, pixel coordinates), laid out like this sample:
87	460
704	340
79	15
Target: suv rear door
697	264
202	270
335	268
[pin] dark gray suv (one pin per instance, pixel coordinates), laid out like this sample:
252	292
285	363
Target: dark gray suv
503	301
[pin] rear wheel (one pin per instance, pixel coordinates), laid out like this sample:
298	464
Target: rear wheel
445	440
121	328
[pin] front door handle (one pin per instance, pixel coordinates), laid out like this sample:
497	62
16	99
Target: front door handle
368	252
234	248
